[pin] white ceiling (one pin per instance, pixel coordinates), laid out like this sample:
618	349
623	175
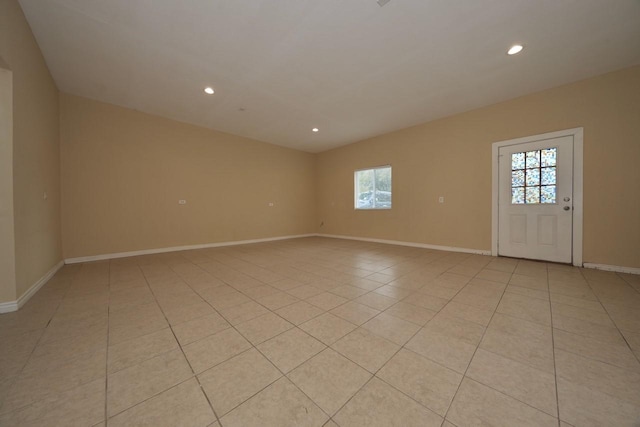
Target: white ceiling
349	67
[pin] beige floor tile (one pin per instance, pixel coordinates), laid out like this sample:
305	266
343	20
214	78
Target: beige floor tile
132	352
366	349
42	378
355	313
329	379
427	301
598	316
66	349
633	339
299	312
290	349
182	405
438	291
393	292
376	301
327	328
243	312
380	405
199	328
494	276
467	312
576	302
455	327
482	300
529	385
476	404
411	313
347	291
277	300
232	382
528	292
264	327
391	328
279	405
606	334
537	283
305	291
128	298
260	291
614	354
229	299
583	406
448	351
326	300
602	377
532	352
186	313
135	384
527	308
83	405
214	349
429	383
142	321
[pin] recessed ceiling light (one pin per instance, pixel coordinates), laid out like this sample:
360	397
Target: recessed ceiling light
516	48
315	129
209	90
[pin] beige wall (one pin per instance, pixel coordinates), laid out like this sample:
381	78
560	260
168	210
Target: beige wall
451	157
123	173
36	151
7	241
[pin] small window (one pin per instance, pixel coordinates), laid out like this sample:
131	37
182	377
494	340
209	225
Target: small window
373	188
533	177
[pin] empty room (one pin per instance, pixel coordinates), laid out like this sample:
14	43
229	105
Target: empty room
250	213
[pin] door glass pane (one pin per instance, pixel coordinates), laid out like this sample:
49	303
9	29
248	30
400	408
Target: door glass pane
548	194
517	196
549	176
533	176
532	195
533	159
517	179
549	157
517	161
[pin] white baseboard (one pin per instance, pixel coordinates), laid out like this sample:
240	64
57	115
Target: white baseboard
7	307
616	268
411	244
179	248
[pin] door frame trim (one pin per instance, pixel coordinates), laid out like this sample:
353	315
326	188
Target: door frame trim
578	137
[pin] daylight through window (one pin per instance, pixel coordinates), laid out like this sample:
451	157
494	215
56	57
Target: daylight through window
373	188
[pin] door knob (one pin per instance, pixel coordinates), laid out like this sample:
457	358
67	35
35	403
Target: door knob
566	208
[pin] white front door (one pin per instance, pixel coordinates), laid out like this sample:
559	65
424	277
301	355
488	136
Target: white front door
535	200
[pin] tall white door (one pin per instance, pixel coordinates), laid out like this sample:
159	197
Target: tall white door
535	200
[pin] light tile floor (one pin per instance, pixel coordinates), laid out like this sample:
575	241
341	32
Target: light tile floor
319	331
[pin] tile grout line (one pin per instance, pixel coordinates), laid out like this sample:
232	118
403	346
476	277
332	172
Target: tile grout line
44	330
106	361
480	341
637	356
194	375
553	350
400	349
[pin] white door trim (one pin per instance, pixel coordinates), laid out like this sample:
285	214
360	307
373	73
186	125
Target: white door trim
577	134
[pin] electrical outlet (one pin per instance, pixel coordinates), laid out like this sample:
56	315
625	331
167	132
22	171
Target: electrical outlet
271	204
441	199
182	202
44	196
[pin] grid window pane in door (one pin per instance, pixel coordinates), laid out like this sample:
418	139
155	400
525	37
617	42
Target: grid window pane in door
533	177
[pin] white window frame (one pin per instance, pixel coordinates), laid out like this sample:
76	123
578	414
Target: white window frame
355	188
